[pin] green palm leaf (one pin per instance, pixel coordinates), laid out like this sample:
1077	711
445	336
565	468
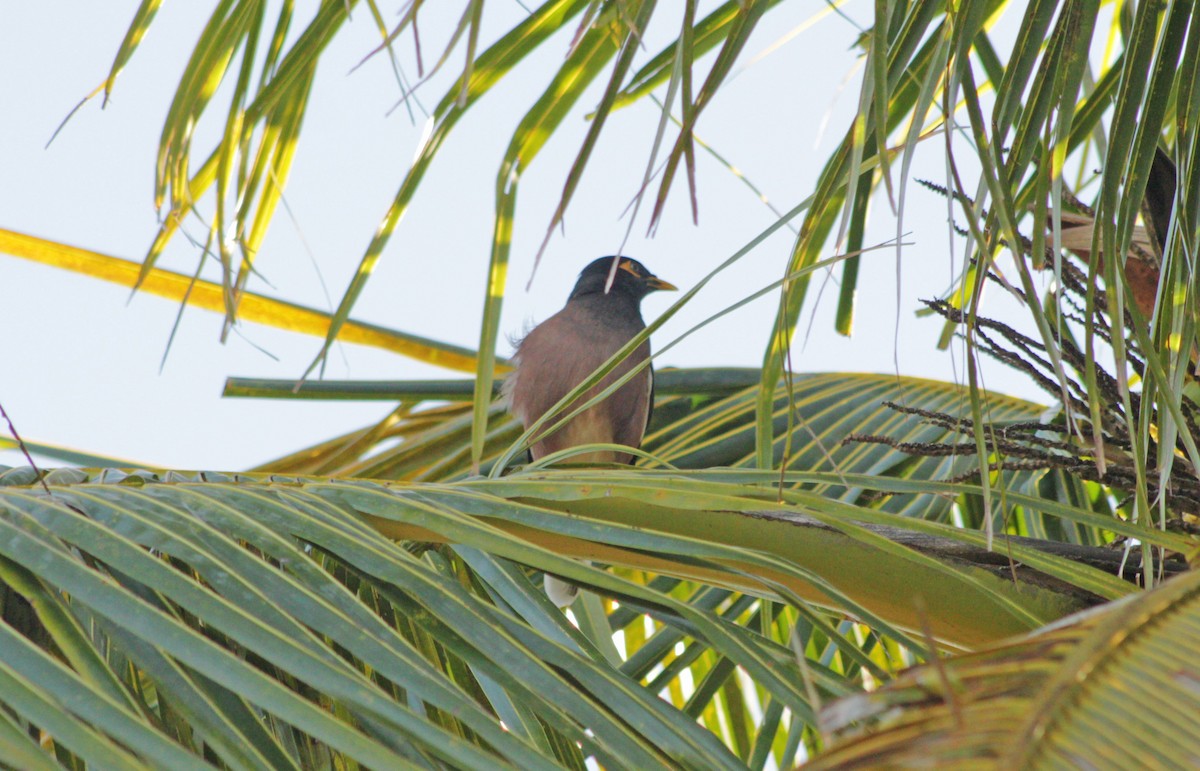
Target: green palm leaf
1126	675
280	599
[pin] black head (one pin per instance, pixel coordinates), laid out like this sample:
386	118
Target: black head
631	280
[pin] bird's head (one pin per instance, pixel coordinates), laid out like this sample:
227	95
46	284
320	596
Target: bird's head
632	279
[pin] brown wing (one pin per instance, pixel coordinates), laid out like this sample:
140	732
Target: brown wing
558	355
636	401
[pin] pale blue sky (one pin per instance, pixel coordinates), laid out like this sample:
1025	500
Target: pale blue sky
82	365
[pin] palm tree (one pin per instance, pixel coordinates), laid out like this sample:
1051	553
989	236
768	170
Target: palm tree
789	546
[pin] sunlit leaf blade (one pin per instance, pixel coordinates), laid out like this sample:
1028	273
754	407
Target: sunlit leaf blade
209	296
708	33
68	454
490	67
742	26
133	37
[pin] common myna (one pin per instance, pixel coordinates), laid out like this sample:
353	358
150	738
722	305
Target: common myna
562	351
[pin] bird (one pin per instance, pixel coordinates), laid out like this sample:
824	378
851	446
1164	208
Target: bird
561	352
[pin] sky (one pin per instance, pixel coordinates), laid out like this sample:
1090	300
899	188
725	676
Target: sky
84	357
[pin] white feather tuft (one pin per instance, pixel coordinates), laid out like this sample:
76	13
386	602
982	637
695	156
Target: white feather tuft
559	591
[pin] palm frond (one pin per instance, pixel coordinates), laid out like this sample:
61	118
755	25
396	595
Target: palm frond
286	601
1108	688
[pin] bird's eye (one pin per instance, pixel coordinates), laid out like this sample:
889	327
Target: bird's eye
628	267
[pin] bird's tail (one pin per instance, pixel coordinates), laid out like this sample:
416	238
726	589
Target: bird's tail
559	591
